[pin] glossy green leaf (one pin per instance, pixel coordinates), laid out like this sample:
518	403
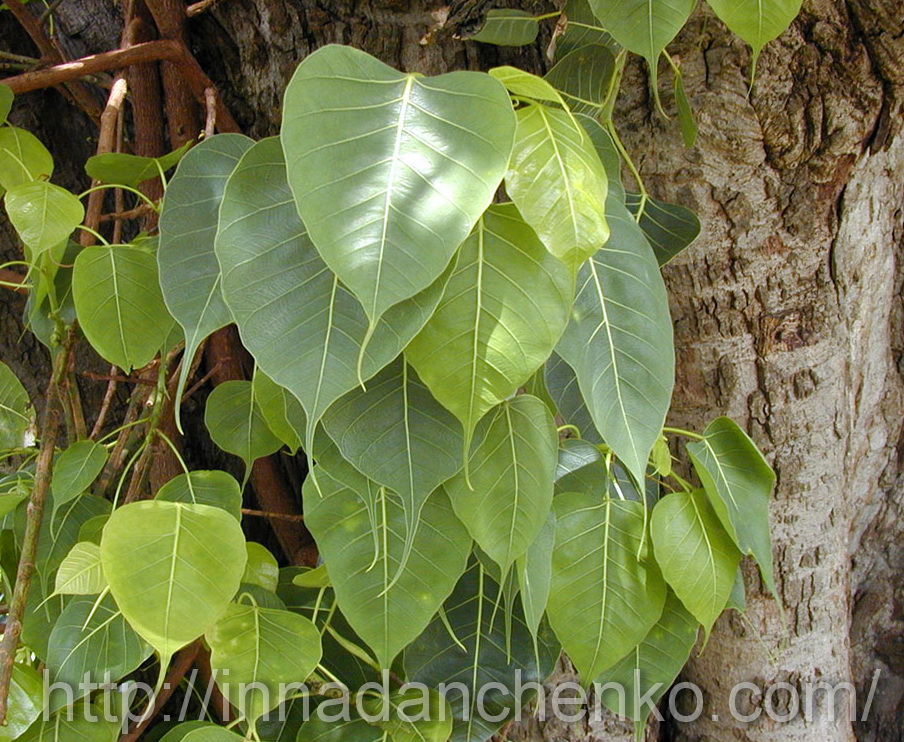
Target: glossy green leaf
172	568
524	84
304	329
216	488
189	271
266	647
652	665
390	171
584	77
484	650
313	578
415	714
119	304
315	729
16	415
757	23
697	557
503	311
385	606
686	120
283	412
24	702
669	228
558	183
738	481
93	639
22	157
619	342
236	425
261	568
575	454
43	214
81	572
75	469
507	27
74	725
511	474
59	532
6	101
603	599
582	28
535	574
130	170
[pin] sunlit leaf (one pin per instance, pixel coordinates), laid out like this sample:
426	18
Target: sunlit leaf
582	28
584	78
757	23
43	214
24	701
216	488
416	714
261	568
6	101
22	157
81	572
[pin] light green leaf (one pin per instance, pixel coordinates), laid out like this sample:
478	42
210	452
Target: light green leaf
271	648
73	725
216	488
582	28
416	714
283	413
81	572
261	568
312	578
390	171
92	528
59	533
603	599
387	613
211	733
584	77
16	415
619	342
535	574
119	304
189	271
685	113
657	660
503	311
355	729
757	23
24	702
236	424
6	101
304	329
526	85
738	481
75	469
738	598
669	228
507	27
130	170
172	568
14	488
511	480
22	157
558	183
697	557
41	614
178	732
43	214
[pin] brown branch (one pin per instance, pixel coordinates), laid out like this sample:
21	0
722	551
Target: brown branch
221	706
278	516
210	100
7	276
105	405
197	8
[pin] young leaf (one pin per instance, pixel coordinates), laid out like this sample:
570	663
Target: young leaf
189	271
535	574
43	214
584	77
387	607
303	327
757	23
526	85
390	171
697	557
24	702
669	228
261	568
507	27
22	157
619	342
558	183
511	473
119	304
503	311
172	568
216	488
15	410
283	413
738	481
81	572
75	469
130	170
603	600
266	647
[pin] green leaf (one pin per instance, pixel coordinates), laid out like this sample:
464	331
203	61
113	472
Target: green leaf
485	649
172	568
236	424
503	311
558	183
507	27
526	85
738	598
14	488
22	158
656	661
189	271
355	729
535	574
74	725
644	27
386	606
211	733
312	578
283	413
415	714
562	384
619	342
81	572
262	646
216	488
43	214
582	28
261	568
24	702
6	101
607	152
584	77
575	454
669	228
757	23
93	639
390	171
697	557
130	170
59	533
16	415
119	304
685	113
92	528
511	480
75	469
178	732
738	481
304	329
283	724
604	600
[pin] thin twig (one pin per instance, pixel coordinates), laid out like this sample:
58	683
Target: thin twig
135	213
105	405
210	100
279	516
197	8
42	19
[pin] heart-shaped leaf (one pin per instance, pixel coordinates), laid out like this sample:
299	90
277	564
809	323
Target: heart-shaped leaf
584	78
261	568
43	214
216	488
535	574
22	157
283	412
354	729
130	170
757	23
582	28
75	469
416	714
81	572
25	700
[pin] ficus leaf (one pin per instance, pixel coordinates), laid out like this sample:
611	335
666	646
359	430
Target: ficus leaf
669	228
582	28
757	23
6	101
74	725
59	532
523	84
130	170
261	568
685	113
22	157
282	411
535	574
75	469
25	700
507	27
416	714
584	78
43	214
81	572
562	384
216	488
15	410
355	729
211	733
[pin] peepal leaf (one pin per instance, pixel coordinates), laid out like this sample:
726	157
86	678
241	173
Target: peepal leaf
43	214
669	228
757	23
22	157
130	170
75	469
390	171
81	572
24	702
584	77
15	410
6	101
535	574
507	27
581	29
216	488
283	412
